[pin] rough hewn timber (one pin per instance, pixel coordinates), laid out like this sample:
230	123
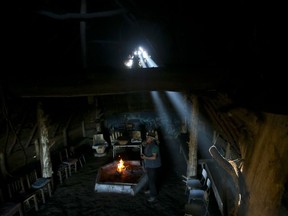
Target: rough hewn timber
265	167
105	82
45	159
192	145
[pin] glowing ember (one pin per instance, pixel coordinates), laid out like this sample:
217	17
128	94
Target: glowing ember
120	166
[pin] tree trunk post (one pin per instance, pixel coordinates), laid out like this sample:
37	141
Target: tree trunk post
45	159
265	167
192	145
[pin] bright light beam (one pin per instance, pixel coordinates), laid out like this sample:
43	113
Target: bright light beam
150	62
142	62
161	111
179	104
166	121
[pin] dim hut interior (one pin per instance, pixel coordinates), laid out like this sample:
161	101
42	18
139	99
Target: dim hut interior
215	92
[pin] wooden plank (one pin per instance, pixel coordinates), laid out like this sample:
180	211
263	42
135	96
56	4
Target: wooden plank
108	82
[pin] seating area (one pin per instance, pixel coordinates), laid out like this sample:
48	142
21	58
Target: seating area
198	194
67	158
171	197
8	207
19	197
66	162
11	208
26	189
40	185
198	207
196	183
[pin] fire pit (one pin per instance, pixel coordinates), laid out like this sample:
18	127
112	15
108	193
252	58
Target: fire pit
121	177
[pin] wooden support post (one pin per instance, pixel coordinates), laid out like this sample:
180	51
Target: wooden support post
192	145
265	167
44	143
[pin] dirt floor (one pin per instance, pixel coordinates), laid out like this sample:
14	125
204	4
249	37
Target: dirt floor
76	196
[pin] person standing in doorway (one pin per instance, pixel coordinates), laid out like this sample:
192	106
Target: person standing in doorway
152	163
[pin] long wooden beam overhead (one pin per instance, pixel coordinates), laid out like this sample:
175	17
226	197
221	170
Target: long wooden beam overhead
246	86
120	81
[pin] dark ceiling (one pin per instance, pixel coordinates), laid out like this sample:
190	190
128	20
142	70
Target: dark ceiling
59	41
46	33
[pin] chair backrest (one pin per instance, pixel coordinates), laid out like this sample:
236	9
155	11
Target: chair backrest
208	183
208	186
98	138
15	187
115	135
204	176
31	178
64	155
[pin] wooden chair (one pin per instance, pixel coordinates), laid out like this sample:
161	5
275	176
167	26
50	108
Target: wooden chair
18	194
59	169
67	158
196	183
40	184
9	208
78	154
199	194
82	160
198	207
113	137
62	172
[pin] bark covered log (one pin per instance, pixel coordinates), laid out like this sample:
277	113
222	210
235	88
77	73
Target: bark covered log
44	143
192	156
265	168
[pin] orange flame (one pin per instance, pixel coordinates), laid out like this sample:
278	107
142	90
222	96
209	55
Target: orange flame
120	166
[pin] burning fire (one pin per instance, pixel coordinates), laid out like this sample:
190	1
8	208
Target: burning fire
120	166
